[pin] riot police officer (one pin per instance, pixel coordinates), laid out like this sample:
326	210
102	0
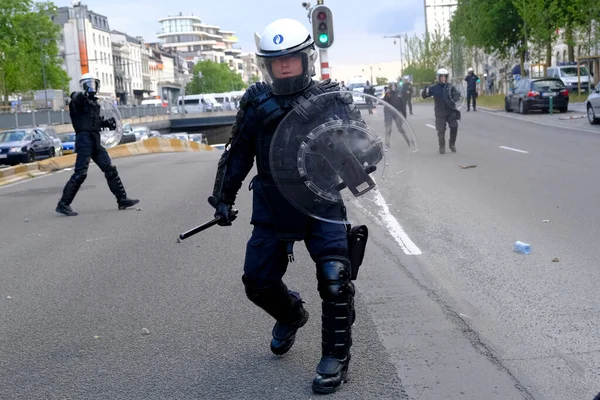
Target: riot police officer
87	123
471	80
445	96
393	97
286	56
407	90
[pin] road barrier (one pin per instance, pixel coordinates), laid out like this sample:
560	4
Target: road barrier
152	145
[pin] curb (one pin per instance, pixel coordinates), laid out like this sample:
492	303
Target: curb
152	145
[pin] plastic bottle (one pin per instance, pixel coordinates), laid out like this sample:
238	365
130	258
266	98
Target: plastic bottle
521	247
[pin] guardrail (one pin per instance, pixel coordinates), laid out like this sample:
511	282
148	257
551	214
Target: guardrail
37	118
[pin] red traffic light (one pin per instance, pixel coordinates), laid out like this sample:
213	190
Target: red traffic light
322	16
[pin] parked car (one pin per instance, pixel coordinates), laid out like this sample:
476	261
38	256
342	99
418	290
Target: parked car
25	146
50	131
535	94
593	106
568	75
141	132
198	137
128	134
68	142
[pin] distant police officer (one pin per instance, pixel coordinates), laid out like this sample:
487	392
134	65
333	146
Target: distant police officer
87	123
471	80
445	96
407	90
286	57
392	96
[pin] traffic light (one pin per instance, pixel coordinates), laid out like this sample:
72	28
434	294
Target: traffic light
322	21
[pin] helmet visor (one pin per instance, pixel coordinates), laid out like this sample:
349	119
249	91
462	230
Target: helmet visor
289	73
90	85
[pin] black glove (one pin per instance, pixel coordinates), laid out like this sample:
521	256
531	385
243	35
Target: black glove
226	213
111	124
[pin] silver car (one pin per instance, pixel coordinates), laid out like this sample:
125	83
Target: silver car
58	147
593	106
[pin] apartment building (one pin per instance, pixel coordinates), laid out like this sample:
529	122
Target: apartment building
85	46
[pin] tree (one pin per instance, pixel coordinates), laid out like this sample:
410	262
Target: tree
254	78
28	38
495	26
381	81
542	17
216	78
427	54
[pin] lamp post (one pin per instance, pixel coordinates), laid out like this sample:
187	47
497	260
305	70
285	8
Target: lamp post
398	37
43	41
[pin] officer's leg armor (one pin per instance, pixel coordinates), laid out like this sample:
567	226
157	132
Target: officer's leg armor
453	124
266	263
398	122
440	126
84	146
387	119
337	293
102	159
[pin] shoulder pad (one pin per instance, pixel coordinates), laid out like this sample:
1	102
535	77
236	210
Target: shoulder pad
255	91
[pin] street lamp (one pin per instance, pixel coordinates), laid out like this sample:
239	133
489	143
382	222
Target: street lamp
399	38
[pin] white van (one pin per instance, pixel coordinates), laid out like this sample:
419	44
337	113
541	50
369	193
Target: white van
568	74
198	103
153	102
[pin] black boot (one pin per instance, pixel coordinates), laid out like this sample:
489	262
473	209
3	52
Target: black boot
453	134
284	334
442	142
116	187
69	192
285	307
337	293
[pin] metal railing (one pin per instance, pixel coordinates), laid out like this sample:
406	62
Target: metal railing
37	118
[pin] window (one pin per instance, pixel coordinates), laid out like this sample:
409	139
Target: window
95	55
94	37
111	78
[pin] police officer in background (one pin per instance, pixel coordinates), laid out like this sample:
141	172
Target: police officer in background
87	123
286	56
445	96
471	80
407	90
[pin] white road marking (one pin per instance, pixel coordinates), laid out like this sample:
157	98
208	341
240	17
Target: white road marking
391	224
512	149
431	126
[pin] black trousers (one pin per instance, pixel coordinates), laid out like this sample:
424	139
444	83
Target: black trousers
471	94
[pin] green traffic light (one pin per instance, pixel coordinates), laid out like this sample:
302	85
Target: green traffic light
323	38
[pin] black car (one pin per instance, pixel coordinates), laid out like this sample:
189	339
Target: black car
535	94
25	146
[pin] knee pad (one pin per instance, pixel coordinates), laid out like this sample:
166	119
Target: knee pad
78	178
111	172
333	274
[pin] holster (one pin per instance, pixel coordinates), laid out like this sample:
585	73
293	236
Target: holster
357	244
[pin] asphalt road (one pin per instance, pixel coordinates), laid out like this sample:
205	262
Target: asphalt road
459	317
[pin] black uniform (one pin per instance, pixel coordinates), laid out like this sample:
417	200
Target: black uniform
471	80
407	89
445	95
278	224
393	98
87	123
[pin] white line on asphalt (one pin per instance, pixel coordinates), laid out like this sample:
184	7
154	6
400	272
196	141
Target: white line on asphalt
401	237
504	115
511	149
431	126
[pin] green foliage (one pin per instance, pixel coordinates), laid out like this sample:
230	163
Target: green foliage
381	81
28	36
426	54
254	78
216	78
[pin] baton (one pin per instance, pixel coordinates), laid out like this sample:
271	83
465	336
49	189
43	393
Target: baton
200	228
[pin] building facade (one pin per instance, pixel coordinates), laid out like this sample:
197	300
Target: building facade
197	41
127	61
438	14
85	46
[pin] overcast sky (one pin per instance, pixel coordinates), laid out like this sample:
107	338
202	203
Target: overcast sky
359	26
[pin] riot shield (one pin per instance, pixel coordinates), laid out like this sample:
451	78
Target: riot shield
461	87
328	152
110	112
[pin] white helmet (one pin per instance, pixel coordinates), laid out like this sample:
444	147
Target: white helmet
89	83
285	39
440	72
470	70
